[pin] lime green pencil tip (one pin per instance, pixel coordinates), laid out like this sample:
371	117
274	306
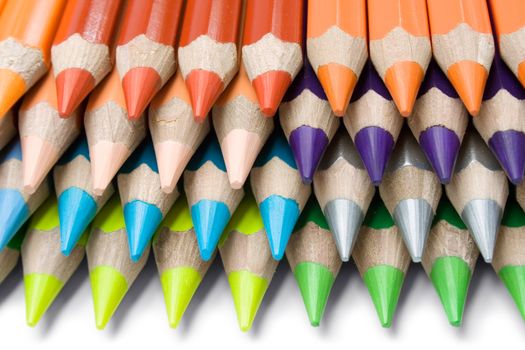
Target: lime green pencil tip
514	279
40	291
109	288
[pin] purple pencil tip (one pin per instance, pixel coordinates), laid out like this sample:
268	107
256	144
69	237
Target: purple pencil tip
509	148
441	146
308	145
375	145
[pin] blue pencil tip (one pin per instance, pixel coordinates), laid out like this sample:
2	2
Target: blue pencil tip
209	219
76	209
279	216
13	213
142	220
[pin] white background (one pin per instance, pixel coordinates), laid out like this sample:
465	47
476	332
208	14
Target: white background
491	319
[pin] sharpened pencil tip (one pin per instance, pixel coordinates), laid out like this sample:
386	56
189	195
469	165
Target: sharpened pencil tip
270	88
469	78
139	85
73	85
338	82
204	88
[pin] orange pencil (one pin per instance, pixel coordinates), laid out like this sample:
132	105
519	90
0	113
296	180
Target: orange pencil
145	50
508	17
400	47
44	136
336	47
80	52
208	50
272	48
2	4
176	135
463	46
27	29
241	128
111	136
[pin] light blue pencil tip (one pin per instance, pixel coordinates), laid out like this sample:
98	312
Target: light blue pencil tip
76	209
13	213
209	219
279	216
142	220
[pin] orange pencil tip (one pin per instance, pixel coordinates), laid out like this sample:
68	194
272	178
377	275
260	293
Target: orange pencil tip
521	73
403	80
12	87
270	88
204	88
73	86
338	82
469	78
139	85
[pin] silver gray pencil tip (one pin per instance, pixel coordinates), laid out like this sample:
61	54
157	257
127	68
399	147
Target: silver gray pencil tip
344	218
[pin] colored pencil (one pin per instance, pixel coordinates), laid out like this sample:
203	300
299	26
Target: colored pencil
373	122
449	260
208	50
411	192
463	46
400	47
81	50
382	260
241	128
43	134
176	135
337	47
509	254
211	199
8	129
279	191
180	266
111	136
438	122
111	271
247	260
478	191
77	202
272	48
27	30
16	205
307	121
344	191
501	120
509	22
46	270
144	203
313	258
145	53
11	252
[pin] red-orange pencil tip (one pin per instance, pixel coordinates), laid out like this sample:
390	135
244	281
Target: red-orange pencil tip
204	88
521	73
12	87
73	86
403	80
270	88
338	82
139	85
469	78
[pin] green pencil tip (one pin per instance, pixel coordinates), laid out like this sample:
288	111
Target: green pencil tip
40	291
108	287
315	282
451	277
384	285
178	286
514	279
248	292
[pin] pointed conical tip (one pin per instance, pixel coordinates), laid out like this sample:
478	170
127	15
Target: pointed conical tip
441	146
73	85
108	287
12	87
469	78
345	218
248	291
338	82
209	219
240	148
508	146
483	217
514	279
521	73
172	158
403	80
204	88
139	85
315	283
106	160
375	146
270	88
38	156
308	146
40	291
142	220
